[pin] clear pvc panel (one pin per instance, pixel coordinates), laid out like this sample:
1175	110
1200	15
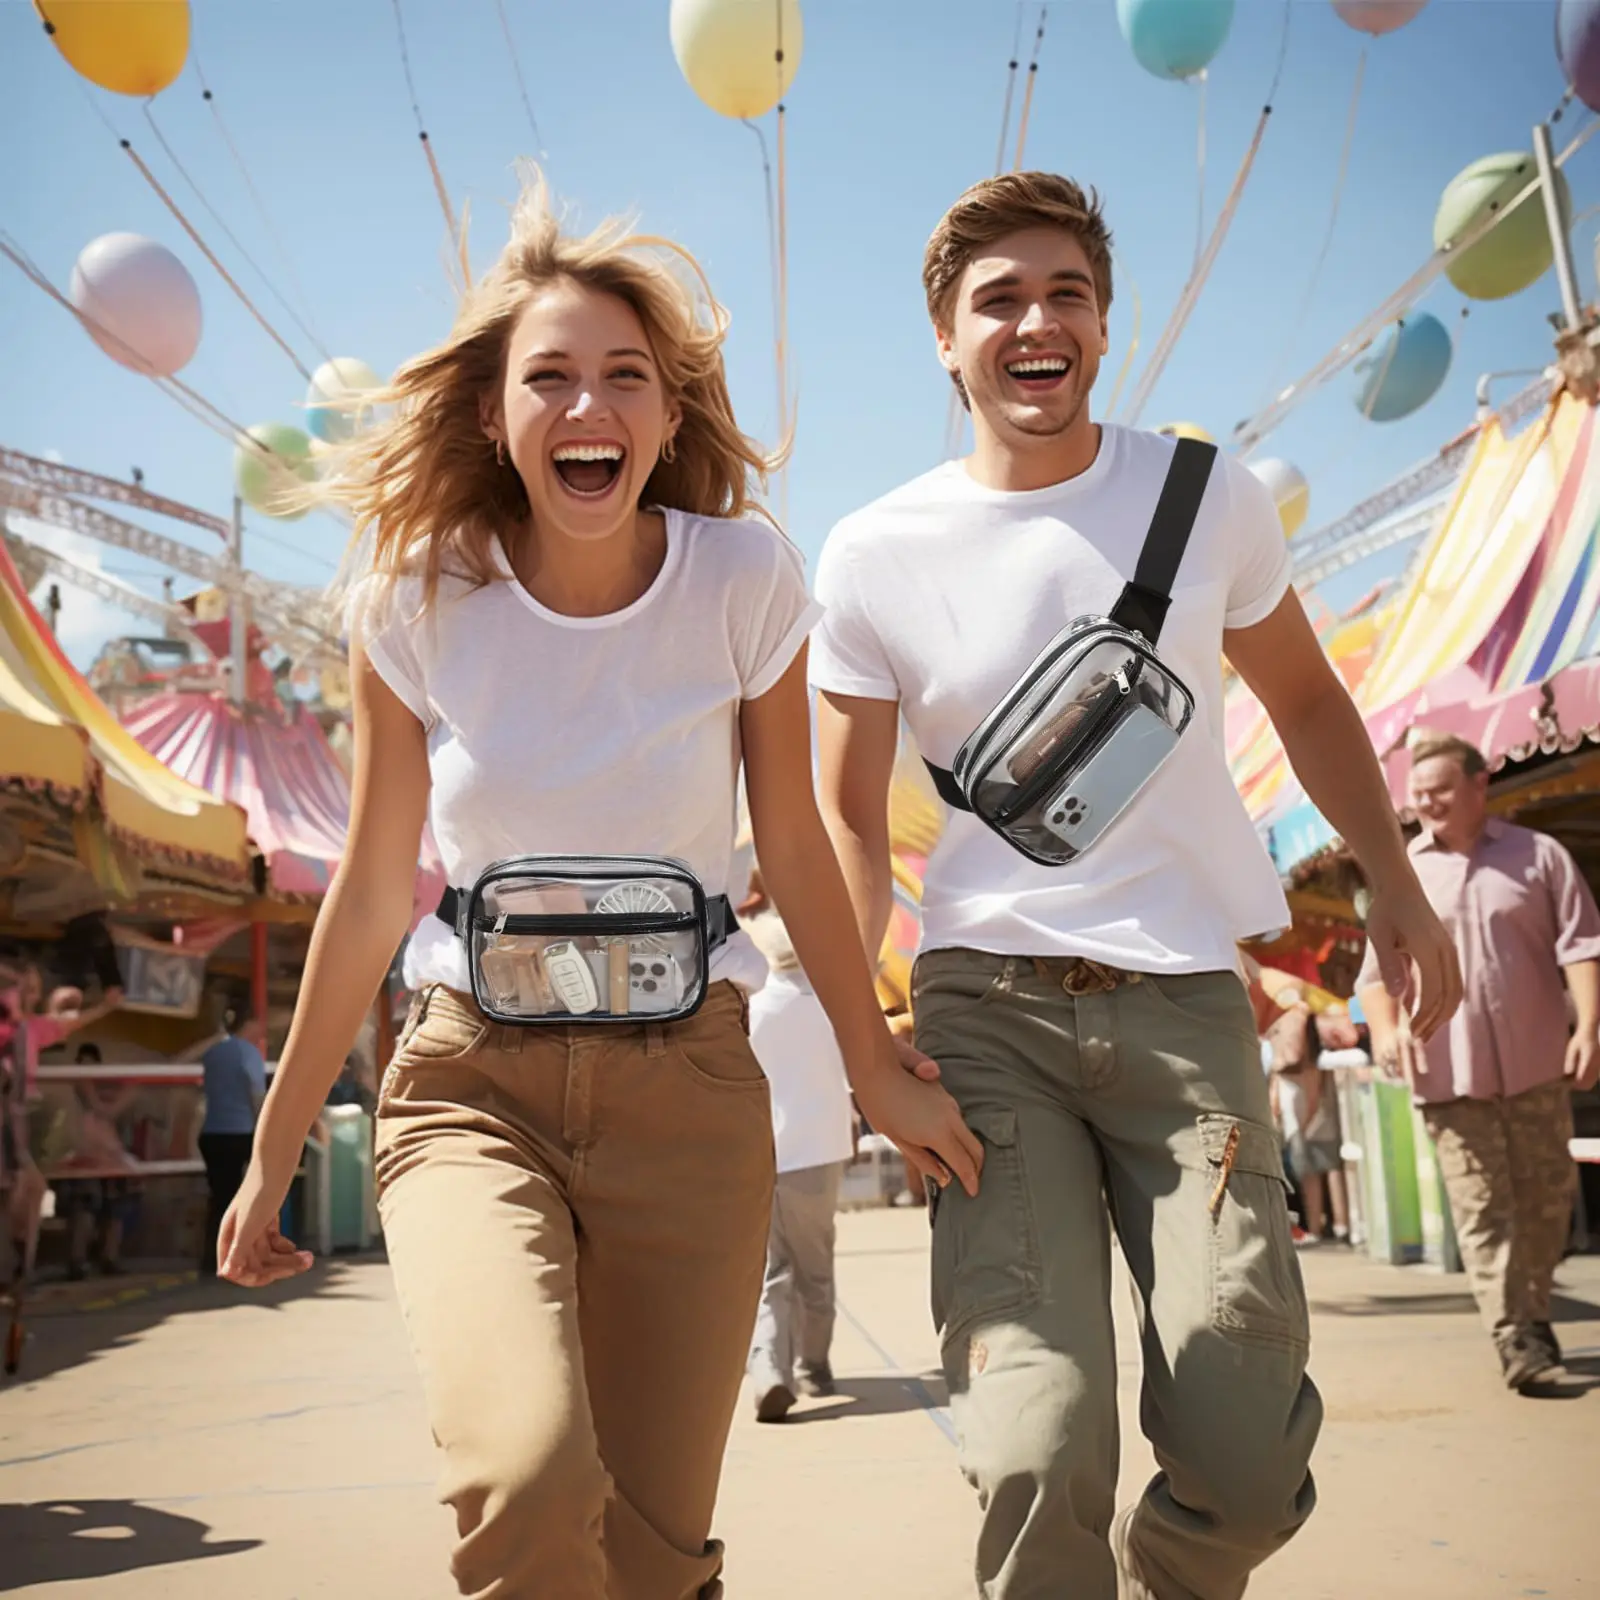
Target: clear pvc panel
558	949
1079	743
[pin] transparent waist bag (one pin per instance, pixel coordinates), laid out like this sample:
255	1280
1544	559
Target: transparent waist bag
558	939
1082	732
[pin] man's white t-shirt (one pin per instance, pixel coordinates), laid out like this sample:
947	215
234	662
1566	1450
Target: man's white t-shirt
795	1044
940	594
610	735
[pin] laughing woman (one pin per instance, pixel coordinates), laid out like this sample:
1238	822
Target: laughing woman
574	627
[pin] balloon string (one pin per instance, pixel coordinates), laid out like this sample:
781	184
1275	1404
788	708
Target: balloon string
1133	340
211	210
205	250
1027	93
1200	163
785	417
1312	283
1197	279
772	257
1251	432
422	131
522	87
285	259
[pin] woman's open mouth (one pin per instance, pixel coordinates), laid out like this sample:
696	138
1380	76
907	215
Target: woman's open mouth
589	471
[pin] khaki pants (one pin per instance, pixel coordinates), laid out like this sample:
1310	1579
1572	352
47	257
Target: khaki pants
577	1222
795	1321
1511	1180
1146	1098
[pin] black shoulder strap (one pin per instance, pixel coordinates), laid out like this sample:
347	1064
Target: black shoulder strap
1142	606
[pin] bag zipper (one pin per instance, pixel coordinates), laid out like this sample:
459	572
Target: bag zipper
600	924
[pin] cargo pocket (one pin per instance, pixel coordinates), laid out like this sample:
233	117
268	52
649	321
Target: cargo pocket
986	1248
1256	1292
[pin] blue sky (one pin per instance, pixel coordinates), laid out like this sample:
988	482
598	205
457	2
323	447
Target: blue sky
895	108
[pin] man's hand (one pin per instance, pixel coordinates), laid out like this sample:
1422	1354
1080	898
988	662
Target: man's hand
1583	1059
1417	958
913	1060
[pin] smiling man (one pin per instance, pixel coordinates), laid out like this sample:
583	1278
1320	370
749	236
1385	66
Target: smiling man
1089	1018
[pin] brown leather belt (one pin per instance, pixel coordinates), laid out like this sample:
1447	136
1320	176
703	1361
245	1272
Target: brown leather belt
1079	976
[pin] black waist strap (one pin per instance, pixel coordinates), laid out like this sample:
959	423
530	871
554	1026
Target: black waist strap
944	780
721	923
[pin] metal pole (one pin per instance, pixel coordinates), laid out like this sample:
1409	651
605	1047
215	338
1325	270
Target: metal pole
1560	242
238	608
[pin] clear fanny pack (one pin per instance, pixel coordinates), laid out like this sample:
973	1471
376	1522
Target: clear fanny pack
575	939
1091	721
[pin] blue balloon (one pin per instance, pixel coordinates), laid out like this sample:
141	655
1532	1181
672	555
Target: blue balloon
1174	38
1578	47
1405	370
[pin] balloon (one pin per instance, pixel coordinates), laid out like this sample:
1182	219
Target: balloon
340	381
728	51
1289	490
1405	371
1518	250
268	483
1578	47
1185	430
1377	17
1174	38
144	306
132	47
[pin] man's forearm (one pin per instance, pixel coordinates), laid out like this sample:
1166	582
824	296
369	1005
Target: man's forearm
1332	756
1583	979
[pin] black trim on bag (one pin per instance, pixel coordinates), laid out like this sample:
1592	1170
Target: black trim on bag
1141	608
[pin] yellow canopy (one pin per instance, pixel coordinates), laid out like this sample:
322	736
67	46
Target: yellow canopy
147	808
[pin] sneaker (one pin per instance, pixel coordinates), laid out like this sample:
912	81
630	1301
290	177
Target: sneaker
816	1379
1302	1239
1525	1361
773	1404
1544	1336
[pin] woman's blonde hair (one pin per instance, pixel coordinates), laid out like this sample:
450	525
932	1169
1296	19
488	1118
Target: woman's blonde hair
425	488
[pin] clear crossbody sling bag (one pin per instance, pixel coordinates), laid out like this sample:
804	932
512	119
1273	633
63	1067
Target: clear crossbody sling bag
1091	721
577	939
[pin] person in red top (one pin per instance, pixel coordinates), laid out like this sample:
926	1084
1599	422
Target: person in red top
1495	1084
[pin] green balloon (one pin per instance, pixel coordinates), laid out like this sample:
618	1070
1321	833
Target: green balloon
268	483
1517	252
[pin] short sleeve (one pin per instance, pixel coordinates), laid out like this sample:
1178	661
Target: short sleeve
382	618
1577	919
847	655
773	616
1258	553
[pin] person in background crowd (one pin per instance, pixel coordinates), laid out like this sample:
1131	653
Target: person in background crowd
235	1086
811	1120
97	1205
1308	1112
1495	1086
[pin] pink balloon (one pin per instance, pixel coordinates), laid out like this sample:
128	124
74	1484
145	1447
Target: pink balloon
142	305
1377	16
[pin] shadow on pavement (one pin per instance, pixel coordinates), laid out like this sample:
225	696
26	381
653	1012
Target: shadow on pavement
59	1541
1397	1305
63	1334
875	1397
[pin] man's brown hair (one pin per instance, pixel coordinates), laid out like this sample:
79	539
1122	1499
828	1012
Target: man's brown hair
1007	204
1446	746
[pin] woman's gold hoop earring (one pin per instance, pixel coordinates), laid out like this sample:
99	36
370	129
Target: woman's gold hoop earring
500	452
669	451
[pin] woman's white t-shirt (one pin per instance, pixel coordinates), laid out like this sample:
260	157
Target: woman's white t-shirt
609	735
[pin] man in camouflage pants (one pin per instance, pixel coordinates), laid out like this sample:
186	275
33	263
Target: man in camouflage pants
1495	1085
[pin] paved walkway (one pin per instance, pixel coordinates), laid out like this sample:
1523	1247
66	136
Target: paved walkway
176	1442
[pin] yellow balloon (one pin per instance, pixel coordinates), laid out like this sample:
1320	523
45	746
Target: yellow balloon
132	47
1185	430
728	50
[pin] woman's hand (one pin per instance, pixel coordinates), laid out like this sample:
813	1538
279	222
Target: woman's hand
250	1249
922	1121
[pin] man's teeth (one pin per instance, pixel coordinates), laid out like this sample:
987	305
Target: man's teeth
587	452
1045	367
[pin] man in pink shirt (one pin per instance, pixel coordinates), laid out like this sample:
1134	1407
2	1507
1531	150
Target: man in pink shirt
1495	1084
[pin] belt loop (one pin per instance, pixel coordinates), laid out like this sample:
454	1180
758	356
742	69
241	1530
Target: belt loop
423	1000
655	1039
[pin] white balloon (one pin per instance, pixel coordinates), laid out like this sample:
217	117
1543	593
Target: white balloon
1290	491
143	306
336	387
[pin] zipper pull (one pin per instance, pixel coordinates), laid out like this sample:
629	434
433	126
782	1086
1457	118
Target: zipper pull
1121	677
